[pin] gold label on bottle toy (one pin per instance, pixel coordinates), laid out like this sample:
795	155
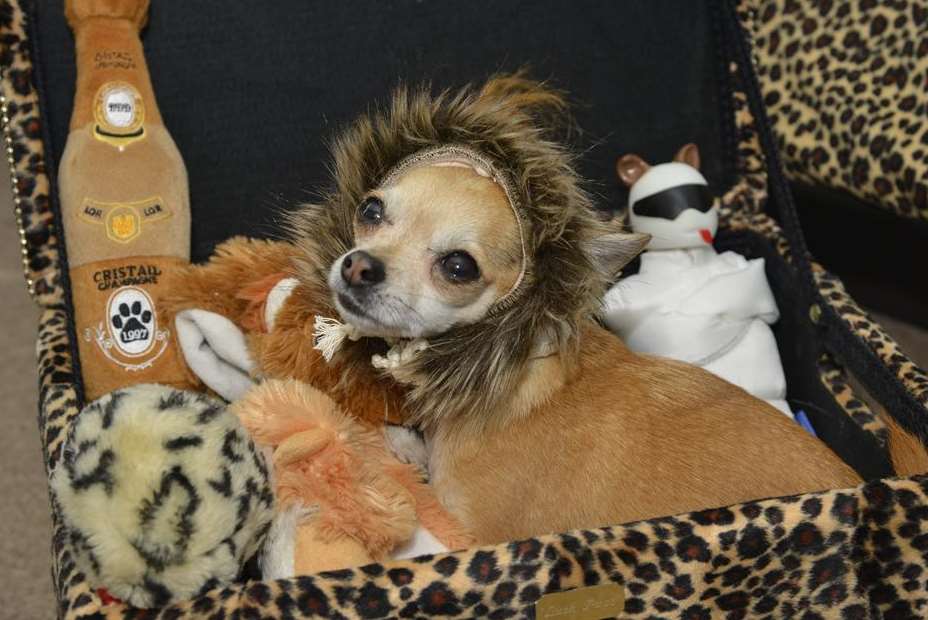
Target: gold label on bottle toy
590	603
123	220
119	113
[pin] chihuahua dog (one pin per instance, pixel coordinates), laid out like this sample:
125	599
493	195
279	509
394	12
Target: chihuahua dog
458	234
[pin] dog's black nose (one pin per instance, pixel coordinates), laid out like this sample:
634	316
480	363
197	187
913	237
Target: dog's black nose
360	269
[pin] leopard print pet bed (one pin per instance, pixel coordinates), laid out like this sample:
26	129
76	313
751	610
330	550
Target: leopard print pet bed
848	553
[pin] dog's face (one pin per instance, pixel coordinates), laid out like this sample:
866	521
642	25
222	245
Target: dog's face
435	248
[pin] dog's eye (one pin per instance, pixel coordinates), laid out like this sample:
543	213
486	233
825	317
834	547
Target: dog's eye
460	267
371	211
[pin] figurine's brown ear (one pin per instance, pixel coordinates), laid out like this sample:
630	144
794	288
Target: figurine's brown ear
630	168
612	251
688	154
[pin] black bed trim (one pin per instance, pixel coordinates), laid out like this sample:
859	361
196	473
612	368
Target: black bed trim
31	17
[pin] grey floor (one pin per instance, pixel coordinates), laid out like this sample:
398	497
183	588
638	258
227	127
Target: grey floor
24	537
25	527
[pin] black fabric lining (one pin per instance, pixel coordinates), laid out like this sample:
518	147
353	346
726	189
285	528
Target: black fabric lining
881	257
781	199
879	380
728	130
50	171
251	95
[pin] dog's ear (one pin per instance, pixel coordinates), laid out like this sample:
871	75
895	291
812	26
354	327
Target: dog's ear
612	251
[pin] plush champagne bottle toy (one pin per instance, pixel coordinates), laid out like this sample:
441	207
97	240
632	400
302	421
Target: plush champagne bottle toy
124	202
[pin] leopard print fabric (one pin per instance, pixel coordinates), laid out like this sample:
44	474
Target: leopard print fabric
835	379
22	127
907	372
58	395
749	194
741	209
846	86
742	206
856	553
25	151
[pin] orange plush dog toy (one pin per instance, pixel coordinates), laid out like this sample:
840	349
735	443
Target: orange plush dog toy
343	498
241	316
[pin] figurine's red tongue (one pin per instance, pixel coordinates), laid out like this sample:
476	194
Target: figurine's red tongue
706	235
106	598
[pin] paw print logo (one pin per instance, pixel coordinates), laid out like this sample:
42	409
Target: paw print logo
132	320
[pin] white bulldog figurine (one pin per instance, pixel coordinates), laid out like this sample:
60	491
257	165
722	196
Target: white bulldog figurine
688	302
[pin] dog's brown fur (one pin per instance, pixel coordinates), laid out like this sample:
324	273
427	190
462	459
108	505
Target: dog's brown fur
906	451
629	437
587	433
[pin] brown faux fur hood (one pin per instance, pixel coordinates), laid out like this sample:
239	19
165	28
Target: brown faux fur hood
572	256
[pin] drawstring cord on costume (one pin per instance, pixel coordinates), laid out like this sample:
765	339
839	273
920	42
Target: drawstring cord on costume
330	334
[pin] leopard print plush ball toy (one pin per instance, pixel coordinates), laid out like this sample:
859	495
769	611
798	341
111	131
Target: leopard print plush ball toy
163	493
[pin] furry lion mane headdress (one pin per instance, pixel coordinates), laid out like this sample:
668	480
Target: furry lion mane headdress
571	253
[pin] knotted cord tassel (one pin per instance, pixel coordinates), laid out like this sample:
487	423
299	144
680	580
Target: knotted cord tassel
329	335
400	354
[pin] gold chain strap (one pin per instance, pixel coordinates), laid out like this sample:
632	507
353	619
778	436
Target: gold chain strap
17	200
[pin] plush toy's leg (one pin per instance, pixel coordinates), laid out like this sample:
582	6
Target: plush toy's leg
317	550
216	351
432	515
298	545
408	446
